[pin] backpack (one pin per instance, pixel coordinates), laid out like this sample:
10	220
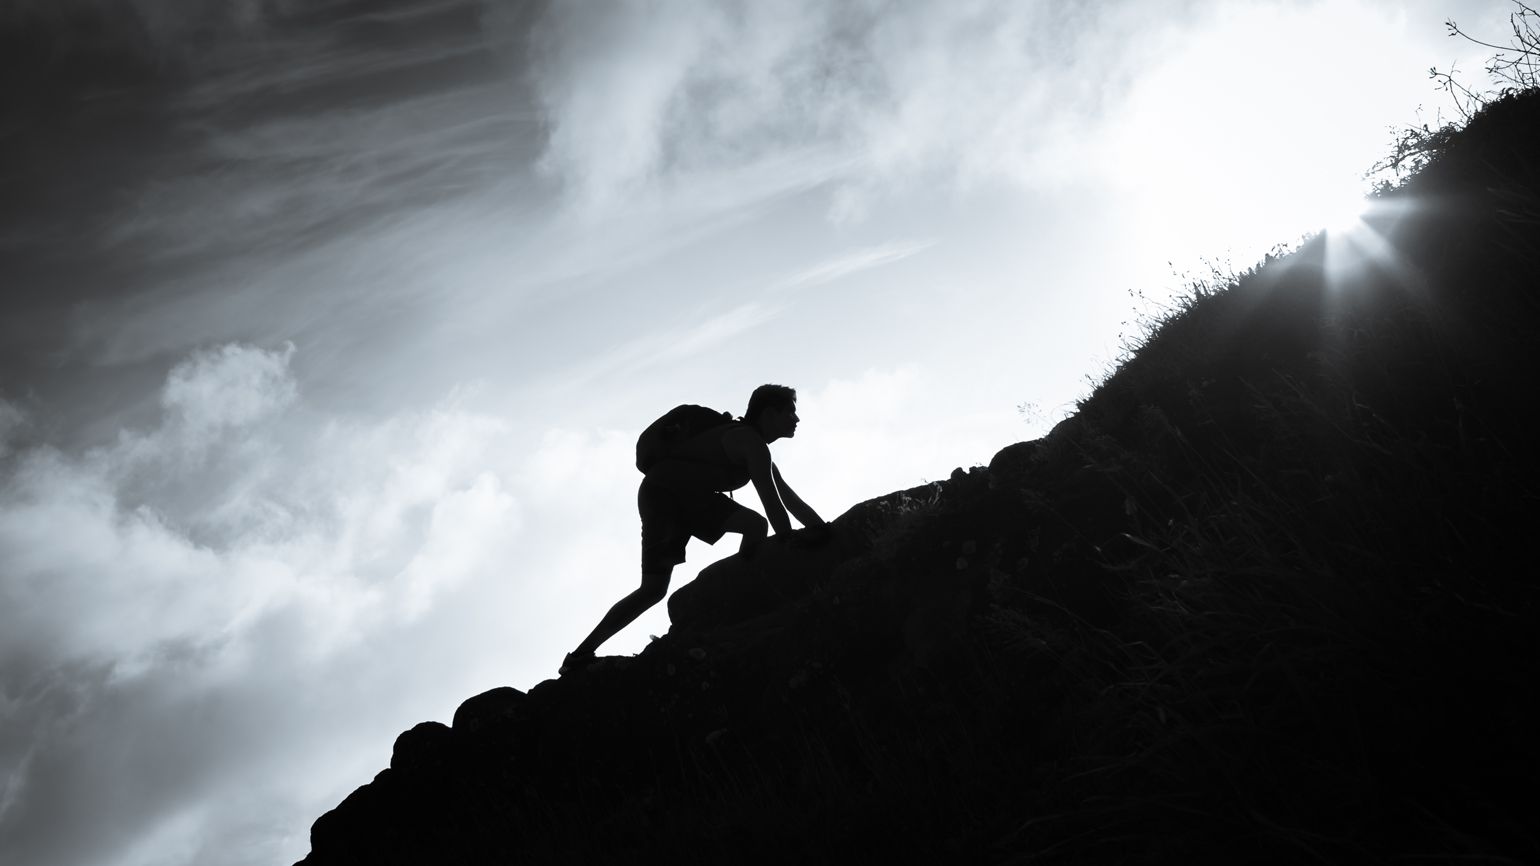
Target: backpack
677	425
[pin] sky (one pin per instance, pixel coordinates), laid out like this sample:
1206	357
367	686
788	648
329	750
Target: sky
329	325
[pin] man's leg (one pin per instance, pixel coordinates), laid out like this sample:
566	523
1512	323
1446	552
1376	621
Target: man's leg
751	526
654	587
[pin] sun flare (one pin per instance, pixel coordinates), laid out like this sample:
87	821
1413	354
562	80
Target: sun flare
1342	214
1282	160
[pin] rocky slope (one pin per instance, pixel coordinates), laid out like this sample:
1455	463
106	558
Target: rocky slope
1263	597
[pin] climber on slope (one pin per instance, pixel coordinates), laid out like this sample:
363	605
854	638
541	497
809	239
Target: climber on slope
691	457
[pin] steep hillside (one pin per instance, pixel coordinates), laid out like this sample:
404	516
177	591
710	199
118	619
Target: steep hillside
1265	597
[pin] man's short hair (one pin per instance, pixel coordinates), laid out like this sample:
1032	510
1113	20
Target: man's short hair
770	397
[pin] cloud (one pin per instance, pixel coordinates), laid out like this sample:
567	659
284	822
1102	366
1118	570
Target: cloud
188	612
717	330
607	77
639	94
673	346
855	262
227	388
711	331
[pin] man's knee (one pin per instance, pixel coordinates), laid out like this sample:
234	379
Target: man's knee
654	587
748	524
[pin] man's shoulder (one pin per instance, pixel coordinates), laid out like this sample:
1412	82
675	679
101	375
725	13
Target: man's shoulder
741	439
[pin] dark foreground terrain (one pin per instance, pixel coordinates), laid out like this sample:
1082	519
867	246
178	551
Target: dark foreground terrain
1266	597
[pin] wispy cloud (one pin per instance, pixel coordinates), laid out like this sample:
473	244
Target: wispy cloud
711	331
854	262
717	330
668	347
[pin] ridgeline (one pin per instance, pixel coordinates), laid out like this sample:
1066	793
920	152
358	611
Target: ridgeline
1266	597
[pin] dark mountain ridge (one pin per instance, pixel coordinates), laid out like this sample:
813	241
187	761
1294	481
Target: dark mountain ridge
1264	597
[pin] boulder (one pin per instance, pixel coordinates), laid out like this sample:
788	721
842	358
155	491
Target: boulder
1011	464
426	748
490	709
739	588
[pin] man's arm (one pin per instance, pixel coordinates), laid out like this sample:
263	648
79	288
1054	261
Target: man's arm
762	473
799	509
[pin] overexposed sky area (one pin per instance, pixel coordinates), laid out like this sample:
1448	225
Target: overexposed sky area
329	325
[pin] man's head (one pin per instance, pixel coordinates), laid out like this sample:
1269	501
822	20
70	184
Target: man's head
773	411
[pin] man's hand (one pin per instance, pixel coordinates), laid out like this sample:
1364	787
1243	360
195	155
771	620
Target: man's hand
816	535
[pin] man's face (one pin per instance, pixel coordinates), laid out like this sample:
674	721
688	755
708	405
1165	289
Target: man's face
782	422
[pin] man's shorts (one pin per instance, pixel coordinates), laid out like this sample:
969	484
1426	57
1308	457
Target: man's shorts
671	515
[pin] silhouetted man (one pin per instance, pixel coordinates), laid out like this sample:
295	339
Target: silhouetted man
683	495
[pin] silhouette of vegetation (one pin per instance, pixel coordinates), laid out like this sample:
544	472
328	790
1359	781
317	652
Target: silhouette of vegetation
1513	68
1264	597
